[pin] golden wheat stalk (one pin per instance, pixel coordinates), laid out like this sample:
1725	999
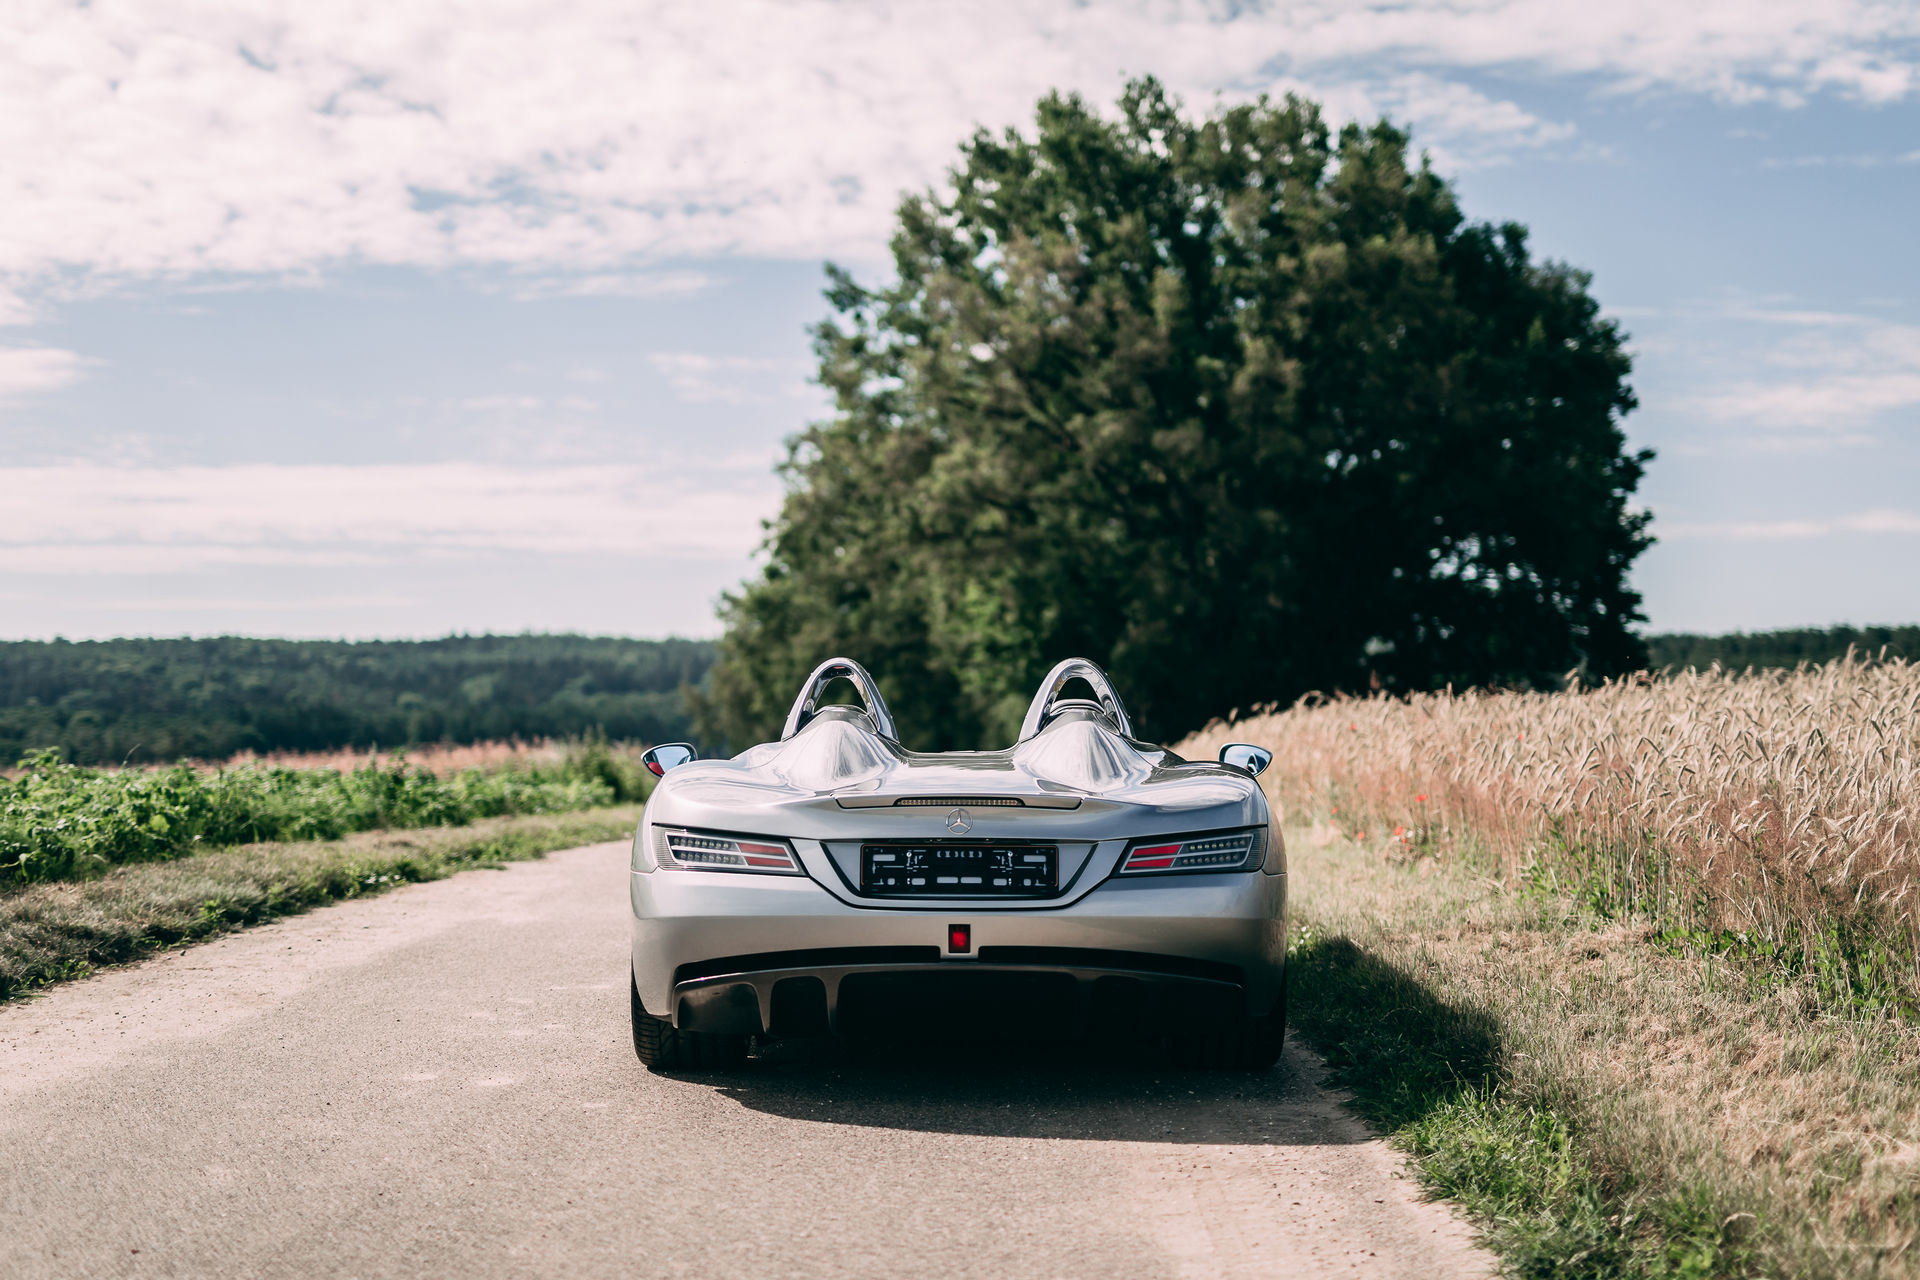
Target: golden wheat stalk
1779	804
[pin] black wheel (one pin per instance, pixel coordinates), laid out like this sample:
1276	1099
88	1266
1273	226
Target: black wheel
662	1048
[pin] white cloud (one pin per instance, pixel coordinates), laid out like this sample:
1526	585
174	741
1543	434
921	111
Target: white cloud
14	309
1457	125
1873	522
1475	126
627	284
1859	160
30	370
85	518
1817	402
500	404
708	379
233	604
1828	373
171	137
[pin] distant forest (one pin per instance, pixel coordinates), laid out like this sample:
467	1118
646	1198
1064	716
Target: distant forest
108	701
1780	648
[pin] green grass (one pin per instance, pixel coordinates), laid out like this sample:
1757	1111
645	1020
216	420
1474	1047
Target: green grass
1433	1075
1856	961
59	821
1604	1098
58	931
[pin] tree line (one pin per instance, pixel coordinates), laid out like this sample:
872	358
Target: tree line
148	700
1780	650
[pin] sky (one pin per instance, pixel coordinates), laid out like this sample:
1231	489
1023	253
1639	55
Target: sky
411	318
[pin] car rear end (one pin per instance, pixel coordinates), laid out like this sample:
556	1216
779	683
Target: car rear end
990	914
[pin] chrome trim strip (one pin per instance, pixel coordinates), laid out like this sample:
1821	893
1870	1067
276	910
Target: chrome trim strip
870	800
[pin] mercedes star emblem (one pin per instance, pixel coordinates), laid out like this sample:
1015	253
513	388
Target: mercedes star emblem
959	823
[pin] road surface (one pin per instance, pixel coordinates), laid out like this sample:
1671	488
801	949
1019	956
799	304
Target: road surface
439	1081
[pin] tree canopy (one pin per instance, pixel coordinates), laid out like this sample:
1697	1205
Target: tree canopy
1237	407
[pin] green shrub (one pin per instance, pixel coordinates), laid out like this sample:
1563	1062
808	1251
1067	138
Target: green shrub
62	821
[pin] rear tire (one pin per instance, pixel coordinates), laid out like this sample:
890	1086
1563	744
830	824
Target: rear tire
663	1048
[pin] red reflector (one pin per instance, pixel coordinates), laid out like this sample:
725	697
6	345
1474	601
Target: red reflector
1152	857
777	850
960	938
654	768
767	862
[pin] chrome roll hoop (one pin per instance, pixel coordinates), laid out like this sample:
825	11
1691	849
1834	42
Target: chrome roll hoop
1074	669
808	702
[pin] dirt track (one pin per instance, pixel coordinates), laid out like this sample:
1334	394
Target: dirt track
439	1082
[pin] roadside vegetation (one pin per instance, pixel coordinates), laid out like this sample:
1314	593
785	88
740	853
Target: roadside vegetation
1634	972
56	931
102	867
442	758
61	821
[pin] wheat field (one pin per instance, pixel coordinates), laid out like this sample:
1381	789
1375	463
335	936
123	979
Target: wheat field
1771	814
1687	903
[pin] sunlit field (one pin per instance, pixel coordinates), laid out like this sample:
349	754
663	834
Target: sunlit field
1769	815
1631	970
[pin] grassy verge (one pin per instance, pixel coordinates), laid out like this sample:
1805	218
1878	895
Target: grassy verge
1604	1104
53	932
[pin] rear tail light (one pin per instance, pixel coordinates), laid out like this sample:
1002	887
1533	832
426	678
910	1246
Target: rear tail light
1232	851
694	851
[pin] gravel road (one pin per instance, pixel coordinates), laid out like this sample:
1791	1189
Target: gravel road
438	1082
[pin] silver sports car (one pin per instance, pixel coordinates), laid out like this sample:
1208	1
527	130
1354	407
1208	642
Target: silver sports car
1079	883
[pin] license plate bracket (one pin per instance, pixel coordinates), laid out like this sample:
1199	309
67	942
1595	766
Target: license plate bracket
955	869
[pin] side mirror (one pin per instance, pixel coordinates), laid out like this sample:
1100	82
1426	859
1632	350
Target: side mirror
1244	755
671	755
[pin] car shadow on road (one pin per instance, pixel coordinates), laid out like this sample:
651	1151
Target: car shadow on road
1039	1091
1389	1036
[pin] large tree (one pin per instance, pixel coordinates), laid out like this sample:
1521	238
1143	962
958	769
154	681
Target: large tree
1236	407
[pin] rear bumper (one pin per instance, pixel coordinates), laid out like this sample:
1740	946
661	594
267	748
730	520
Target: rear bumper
1070	999
752	954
